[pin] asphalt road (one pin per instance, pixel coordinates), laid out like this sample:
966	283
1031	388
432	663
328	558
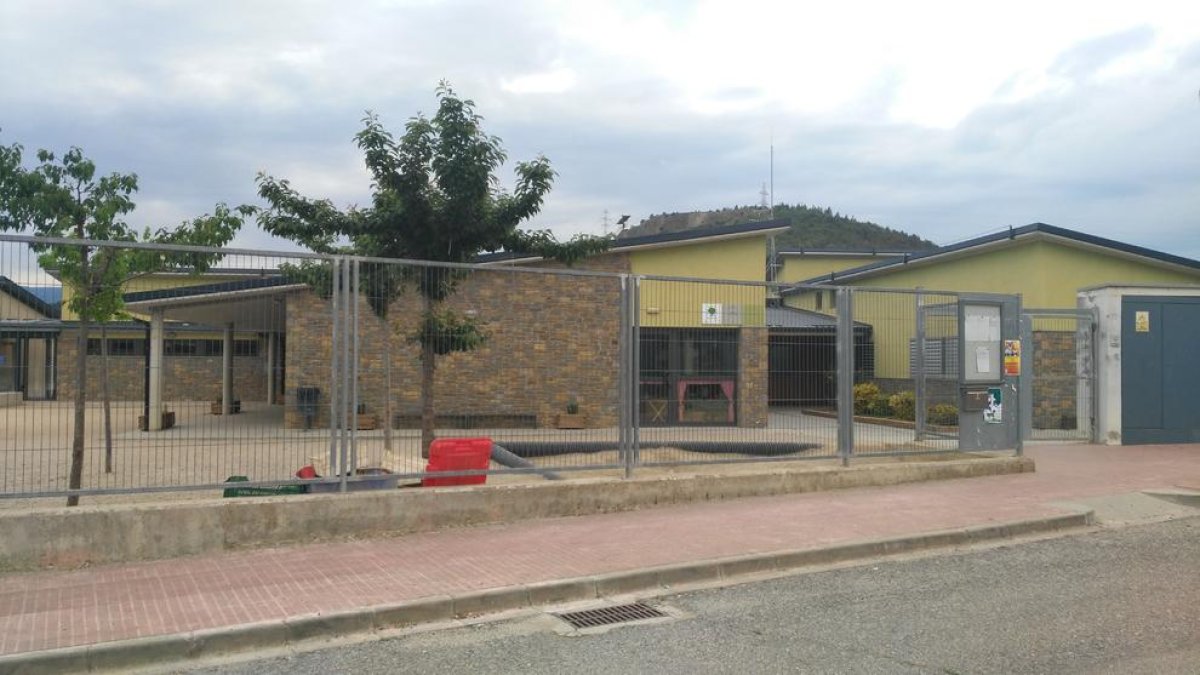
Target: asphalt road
1116	601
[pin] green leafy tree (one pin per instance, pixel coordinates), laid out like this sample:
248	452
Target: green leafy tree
435	196
63	197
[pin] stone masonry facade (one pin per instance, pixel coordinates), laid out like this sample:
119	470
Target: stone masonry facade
1055	381
186	378
551	338
752	377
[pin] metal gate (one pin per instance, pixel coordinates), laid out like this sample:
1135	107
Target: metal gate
1059	383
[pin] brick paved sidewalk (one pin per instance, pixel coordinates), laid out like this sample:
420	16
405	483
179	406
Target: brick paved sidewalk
47	610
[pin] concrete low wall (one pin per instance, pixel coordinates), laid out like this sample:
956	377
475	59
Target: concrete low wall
105	534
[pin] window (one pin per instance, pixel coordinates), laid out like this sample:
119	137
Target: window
245	347
179	347
941	358
126	347
118	347
173	347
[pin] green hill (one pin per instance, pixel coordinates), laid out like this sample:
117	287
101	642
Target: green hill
812	227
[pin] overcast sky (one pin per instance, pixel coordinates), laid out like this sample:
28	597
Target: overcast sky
946	119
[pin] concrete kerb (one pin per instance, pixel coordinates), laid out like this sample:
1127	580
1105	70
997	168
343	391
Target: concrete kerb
1183	497
303	631
109	534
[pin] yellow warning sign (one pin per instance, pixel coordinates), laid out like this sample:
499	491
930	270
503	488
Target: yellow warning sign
1141	322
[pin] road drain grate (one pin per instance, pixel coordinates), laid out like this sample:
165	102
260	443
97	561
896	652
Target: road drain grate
607	616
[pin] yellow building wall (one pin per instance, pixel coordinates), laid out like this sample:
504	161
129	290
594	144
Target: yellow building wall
1046	274
803	267
680	303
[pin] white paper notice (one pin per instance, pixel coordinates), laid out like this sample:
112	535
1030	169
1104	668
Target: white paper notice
981	324
983	360
975	327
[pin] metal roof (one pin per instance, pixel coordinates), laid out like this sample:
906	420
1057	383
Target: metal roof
781	316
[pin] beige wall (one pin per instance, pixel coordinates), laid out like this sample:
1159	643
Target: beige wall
11	308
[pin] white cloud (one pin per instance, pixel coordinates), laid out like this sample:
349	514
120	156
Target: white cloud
555	81
940	117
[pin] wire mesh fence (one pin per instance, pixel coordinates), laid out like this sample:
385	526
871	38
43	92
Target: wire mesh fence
177	384
265	372
906	371
1061	382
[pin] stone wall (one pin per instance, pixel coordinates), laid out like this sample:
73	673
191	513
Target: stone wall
1055	381
550	338
186	378
752	377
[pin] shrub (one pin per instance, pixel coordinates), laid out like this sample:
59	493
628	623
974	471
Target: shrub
943	414
865	396
904	405
880	408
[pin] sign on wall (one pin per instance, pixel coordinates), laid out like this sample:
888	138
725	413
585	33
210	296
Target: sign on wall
1141	322
994	412
710	313
1012	358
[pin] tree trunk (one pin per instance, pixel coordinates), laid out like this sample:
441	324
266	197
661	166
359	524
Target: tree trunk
76	478
428	365
387	385
427	411
108	444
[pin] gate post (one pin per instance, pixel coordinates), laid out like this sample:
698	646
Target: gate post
635	369
919	371
1026	382
845	374
335	347
624	367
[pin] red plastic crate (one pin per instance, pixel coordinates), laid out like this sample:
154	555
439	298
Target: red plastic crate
458	454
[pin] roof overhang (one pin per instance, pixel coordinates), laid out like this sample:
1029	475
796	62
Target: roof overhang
249	309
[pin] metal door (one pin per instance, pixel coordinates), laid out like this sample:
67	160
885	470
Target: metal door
1160	370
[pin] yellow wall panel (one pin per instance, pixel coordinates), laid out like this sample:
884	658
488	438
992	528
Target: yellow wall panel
680	303
804	267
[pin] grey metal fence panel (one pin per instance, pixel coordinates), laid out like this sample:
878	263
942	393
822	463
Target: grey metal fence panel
1059	375
347	368
529	358
186	387
729	372
905	372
